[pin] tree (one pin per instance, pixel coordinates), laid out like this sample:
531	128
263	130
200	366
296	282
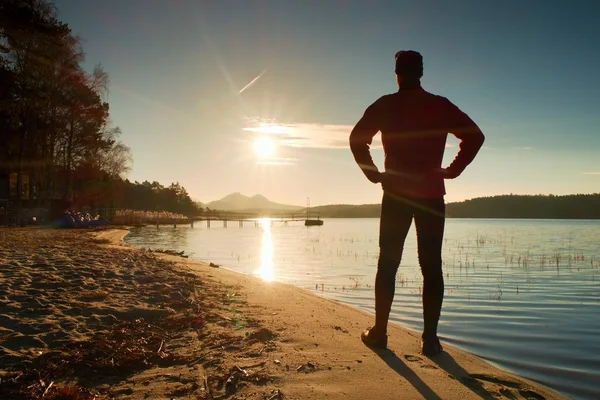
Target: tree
57	144
53	119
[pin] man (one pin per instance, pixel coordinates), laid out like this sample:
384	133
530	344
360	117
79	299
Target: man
414	125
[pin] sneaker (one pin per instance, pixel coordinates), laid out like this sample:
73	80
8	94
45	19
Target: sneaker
373	339
431	347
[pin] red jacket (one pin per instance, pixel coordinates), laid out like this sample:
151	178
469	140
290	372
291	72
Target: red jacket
414	125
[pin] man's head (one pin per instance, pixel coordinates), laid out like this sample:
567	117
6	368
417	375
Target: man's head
409	66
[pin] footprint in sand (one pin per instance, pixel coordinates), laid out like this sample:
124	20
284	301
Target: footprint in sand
411	358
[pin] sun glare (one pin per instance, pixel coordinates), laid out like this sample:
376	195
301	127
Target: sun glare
264	147
266	270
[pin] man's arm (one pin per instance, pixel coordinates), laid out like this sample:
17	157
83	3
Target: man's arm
471	140
361	138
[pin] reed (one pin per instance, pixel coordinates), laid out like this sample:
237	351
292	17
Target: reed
134	217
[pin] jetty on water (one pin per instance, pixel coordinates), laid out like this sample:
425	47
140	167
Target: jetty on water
224	217
309	218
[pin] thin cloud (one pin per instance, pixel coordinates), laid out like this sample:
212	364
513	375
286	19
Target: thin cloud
591	173
309	135
278	161
523	148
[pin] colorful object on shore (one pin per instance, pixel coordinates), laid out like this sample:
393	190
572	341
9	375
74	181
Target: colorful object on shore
72	219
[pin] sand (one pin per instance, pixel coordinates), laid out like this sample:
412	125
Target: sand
83	314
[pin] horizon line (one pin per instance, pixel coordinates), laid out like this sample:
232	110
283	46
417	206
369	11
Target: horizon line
204	204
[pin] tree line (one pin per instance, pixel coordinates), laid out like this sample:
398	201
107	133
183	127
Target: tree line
58	147
577	206
156	197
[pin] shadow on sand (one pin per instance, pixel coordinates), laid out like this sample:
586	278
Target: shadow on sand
395	363
474	382
503	388
446	362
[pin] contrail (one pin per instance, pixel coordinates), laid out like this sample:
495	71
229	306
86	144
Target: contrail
252	81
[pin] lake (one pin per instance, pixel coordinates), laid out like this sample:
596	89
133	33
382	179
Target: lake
521	294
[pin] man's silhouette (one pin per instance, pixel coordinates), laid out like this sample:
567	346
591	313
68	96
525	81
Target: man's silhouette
414	125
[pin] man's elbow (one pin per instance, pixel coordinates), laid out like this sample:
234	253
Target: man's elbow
472	140
475	136
480	138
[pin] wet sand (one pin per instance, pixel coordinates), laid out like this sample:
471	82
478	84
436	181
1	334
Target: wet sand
82	312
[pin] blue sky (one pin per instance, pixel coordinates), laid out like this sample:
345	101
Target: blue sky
525	71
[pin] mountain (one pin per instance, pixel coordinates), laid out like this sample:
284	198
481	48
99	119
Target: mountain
239	202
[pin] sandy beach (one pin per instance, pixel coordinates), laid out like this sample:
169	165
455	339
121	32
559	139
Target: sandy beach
84	316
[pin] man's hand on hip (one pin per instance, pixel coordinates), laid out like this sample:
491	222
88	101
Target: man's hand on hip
448	173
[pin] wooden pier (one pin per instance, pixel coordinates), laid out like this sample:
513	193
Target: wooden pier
243	219
254	218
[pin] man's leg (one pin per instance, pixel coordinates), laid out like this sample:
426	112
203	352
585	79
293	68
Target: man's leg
429	221
396	218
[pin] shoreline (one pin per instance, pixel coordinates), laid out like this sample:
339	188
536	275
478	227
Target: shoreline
395	330
290	343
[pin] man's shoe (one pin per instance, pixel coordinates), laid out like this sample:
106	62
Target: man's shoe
431	347
373	339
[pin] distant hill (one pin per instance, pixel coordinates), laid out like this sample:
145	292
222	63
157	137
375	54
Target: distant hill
576	206
579	206
239	202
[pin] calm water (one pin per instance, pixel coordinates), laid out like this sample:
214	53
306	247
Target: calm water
522	294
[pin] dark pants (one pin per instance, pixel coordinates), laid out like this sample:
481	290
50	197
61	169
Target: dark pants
396	217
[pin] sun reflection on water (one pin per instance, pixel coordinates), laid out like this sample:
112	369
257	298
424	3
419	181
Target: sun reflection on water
266	252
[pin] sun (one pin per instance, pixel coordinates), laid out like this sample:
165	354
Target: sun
264	147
